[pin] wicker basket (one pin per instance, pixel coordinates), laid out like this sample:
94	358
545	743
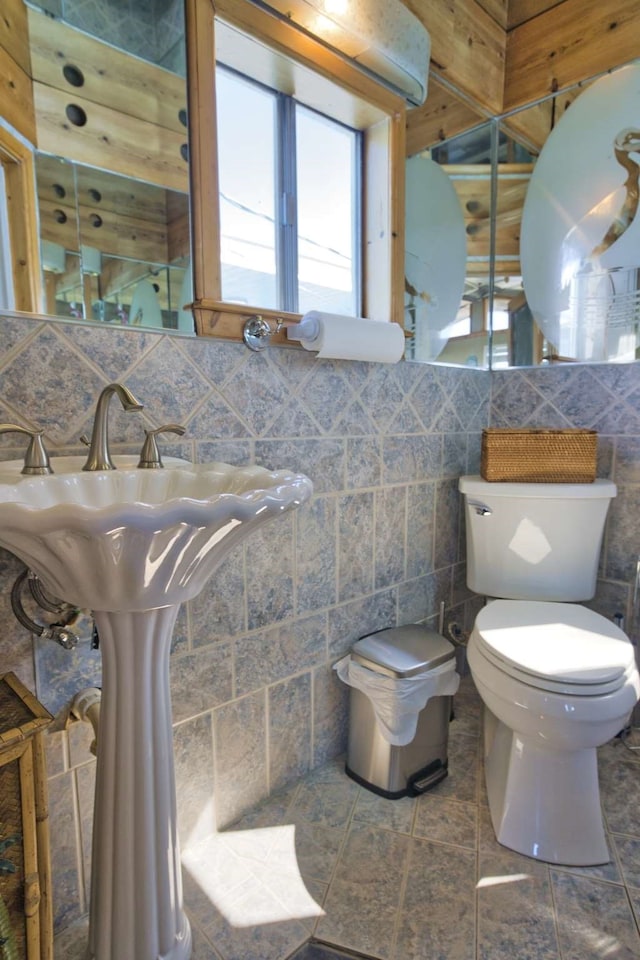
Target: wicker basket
538	455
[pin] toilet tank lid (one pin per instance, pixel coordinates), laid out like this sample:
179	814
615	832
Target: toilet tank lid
598	490
403	651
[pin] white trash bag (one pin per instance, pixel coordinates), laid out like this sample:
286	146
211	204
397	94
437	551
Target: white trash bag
397	701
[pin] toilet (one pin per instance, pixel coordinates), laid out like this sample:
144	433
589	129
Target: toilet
557	680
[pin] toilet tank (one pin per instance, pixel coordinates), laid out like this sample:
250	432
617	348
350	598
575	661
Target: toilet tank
534	541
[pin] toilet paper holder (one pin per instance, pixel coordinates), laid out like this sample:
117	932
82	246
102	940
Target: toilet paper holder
257	331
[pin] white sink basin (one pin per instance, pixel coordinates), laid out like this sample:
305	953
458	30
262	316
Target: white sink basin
128	539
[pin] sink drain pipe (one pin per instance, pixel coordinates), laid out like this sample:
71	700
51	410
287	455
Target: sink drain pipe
86	706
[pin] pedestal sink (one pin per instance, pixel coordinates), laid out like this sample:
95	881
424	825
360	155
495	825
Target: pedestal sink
132	545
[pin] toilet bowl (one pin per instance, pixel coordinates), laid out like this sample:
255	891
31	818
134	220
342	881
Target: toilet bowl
557	681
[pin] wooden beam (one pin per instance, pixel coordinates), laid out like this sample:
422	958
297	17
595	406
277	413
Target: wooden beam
14	33
120	195
122	236
472	183
519	11
205	202
570	42
396	177
108	138
443	115
59	222
497	10
467	48
178	238
16	96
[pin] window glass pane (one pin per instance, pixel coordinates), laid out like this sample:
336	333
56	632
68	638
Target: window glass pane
246	158
326	177
7	300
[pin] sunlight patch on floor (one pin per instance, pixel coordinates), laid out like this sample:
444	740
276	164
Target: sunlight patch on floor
252	876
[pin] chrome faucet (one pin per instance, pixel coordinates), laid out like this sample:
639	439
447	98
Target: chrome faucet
99	457
36	461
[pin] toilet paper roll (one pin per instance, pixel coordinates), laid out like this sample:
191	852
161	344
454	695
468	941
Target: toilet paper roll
349	338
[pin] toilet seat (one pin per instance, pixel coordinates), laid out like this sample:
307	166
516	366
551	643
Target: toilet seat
555	647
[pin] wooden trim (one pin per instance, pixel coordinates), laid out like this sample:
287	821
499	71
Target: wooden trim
24	744
15	69
44	847
523	10
397	168
220	319
203	151
18	164
30	853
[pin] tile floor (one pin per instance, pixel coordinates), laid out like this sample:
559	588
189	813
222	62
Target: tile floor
408	879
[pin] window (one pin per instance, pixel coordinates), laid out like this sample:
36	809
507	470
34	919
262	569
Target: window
289	189
352	123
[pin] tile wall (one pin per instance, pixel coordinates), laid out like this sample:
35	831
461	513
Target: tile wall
256	703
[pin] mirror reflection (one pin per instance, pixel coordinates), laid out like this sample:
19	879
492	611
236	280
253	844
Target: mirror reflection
552	271
112	165
478	325
580	237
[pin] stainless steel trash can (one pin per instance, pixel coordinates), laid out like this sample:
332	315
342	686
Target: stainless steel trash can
389	770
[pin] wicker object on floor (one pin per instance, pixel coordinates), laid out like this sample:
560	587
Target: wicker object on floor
536	455
25	884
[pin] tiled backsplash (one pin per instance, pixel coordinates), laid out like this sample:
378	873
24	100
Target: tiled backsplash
255	700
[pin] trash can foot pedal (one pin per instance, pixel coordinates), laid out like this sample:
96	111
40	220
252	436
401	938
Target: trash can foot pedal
387	794
428	777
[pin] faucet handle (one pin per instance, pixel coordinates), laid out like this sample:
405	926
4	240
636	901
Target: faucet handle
150	458
36	460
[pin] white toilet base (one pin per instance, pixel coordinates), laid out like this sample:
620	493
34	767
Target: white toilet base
544	803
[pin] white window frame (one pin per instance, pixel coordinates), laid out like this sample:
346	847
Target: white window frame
286	194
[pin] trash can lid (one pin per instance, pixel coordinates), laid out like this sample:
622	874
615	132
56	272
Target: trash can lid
403	651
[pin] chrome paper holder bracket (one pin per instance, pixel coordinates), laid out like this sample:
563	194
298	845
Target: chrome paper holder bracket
257	332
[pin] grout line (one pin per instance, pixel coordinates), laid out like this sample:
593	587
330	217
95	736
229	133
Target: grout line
403	889
554	908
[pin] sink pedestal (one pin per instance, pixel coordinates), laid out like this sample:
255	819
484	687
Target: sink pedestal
140	542
136	887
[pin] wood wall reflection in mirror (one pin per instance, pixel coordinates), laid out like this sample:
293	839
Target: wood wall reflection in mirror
108	116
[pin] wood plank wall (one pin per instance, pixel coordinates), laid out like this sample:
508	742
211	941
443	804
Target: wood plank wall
467	46
566	43
494	56
131	108
15	69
